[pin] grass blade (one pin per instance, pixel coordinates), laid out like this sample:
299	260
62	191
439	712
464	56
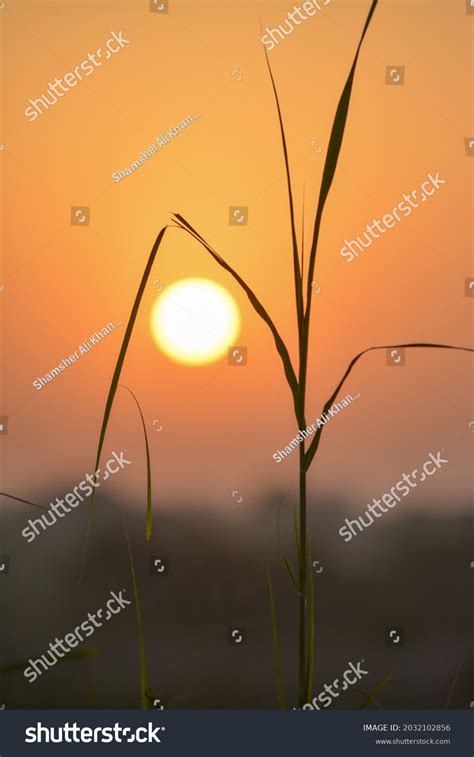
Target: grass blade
312	449
286	562
116	377
291	573
377	689
145	705
296	262
257	305
148	469
332	155
276	646
25	501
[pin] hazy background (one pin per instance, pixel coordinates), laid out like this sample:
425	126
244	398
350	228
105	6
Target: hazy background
414	574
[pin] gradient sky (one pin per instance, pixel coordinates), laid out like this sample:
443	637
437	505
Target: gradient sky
221	424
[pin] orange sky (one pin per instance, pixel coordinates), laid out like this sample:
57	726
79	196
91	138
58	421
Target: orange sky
222	424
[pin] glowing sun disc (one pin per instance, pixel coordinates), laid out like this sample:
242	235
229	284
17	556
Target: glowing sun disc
195	321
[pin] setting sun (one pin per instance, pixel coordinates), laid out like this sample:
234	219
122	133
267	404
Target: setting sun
195	321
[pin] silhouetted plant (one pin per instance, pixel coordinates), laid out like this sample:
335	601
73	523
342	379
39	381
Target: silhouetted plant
302	577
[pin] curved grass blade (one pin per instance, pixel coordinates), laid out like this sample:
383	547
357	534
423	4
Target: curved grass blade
145	704
276	646
296	262
291	573
25	501
312	449
286	562
332	155
148	469
115	379
257	305
377	689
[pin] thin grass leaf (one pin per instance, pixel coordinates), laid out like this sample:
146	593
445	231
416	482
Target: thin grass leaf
74	654
311	635
25	501
145	705
455	679
286	562
312	449
276	646
377	689
332	155
296	262
115	380
291	573
148	469
257	305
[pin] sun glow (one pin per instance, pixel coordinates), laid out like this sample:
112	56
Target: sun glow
195	321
